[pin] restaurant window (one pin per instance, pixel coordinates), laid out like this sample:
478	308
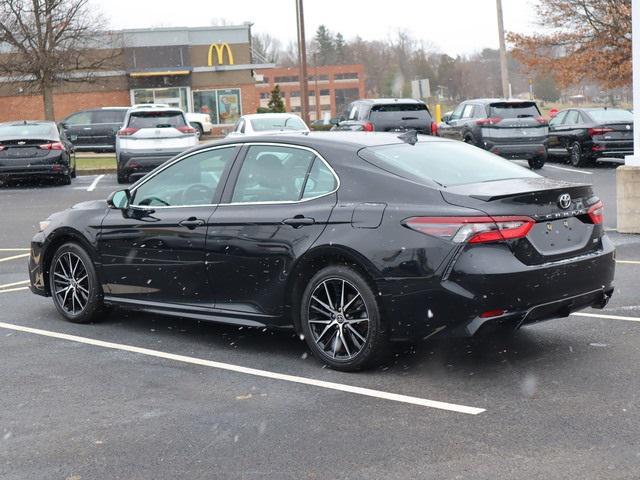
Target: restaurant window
223	105
286	79
174	97
346	76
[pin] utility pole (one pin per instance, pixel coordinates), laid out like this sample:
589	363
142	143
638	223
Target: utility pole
503	53
302	59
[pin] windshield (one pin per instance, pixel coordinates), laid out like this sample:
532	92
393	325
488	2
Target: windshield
611	115
278	123
513	110
155	119
445	163
28	131
399	107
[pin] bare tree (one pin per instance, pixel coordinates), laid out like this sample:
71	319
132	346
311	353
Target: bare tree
45	43
266	47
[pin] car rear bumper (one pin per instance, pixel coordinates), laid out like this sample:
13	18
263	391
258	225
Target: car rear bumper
92	148
489	286
34	170
612	148
517	150
139	162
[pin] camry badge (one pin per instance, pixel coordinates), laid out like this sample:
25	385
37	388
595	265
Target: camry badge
564	201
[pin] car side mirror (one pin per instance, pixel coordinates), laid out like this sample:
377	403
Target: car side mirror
64	125
334	121
120	199
446	118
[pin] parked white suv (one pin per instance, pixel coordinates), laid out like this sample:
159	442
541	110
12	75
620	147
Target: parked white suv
200	121
268	124
149	137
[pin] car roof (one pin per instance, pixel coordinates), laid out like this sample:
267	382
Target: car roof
384	101
154	109
251	116
348	140
487	101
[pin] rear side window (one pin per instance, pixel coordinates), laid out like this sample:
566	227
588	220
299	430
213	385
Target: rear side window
109	116
572	118
513	110
80	118
445	163
156	119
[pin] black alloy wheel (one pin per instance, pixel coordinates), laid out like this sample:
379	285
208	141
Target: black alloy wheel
577	157
341	319
74	287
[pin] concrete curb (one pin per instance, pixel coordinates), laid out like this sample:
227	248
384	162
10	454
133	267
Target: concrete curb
95	171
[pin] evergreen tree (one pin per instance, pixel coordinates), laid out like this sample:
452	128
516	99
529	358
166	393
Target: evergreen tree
340	47
276	104
326	46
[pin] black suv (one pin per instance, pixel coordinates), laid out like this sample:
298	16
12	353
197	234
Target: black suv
387	115
509	128
94	130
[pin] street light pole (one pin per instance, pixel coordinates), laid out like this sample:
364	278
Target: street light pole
503	53
302	60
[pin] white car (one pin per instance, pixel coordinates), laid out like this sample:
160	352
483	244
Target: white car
200	121
149	137
268	124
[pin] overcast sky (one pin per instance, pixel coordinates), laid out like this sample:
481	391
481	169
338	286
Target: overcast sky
452	26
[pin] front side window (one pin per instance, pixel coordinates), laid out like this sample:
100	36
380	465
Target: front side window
279	174
190	181
467	112
557	120
457	113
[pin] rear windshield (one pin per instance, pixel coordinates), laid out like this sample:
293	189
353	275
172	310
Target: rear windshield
42	131
611	115
155	119
513	110
445	163
400	107
278	123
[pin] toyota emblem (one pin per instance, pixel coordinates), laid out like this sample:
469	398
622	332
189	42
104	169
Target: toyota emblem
564	201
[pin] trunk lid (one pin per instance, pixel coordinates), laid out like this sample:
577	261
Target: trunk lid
23	151
399	117
514	122
617	131
562	230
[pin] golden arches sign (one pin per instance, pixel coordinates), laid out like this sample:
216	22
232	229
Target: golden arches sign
220	49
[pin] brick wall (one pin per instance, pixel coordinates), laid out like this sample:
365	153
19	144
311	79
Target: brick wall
25	107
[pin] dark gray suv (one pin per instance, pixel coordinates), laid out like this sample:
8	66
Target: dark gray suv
387	115
509	128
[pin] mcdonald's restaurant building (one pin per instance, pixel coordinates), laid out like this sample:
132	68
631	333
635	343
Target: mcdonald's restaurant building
209	70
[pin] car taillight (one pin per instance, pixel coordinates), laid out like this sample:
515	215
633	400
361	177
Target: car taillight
596	213
472	229
488	121
434	128
52	146
592	132
186	129
541	120
125	132
367	127
2	147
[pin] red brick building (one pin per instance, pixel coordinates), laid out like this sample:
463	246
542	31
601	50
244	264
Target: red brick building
334	87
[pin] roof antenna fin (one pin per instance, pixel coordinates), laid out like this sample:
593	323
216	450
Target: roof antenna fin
410	137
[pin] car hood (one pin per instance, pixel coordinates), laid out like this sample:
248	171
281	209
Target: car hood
90	205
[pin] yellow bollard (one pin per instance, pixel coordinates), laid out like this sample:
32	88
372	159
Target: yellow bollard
438	113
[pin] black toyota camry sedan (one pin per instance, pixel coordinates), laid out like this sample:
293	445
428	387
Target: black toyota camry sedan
35	149
352	239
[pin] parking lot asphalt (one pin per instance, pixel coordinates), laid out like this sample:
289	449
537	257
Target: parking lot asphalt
142	396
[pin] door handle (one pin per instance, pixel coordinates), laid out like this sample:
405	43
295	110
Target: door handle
298	221
191	223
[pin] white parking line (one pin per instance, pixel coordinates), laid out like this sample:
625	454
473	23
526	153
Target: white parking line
6	285
585	172
609	317
452	407
14	249
630	262
7	290
15	257
94	184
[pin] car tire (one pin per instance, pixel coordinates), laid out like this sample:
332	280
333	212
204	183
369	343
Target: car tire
469	139
343	328
576	156
66	179
199	130
536	163
76	292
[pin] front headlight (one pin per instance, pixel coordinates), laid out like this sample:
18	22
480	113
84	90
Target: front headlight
44	224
